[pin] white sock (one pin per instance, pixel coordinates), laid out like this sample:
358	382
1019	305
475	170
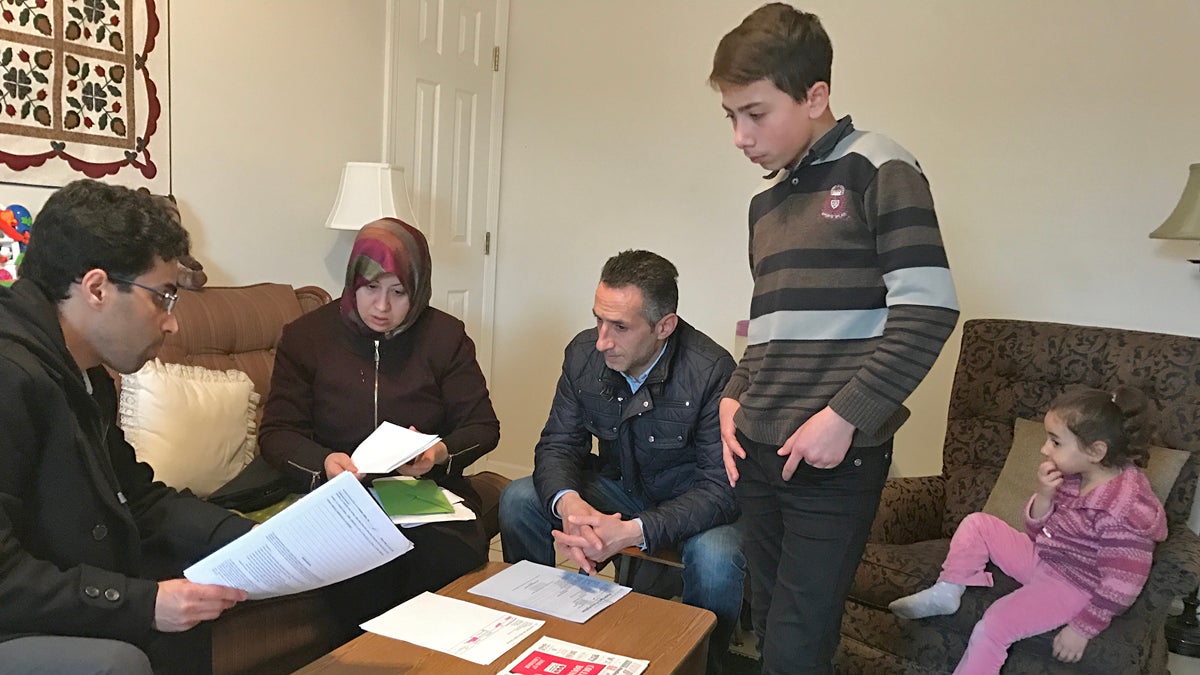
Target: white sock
940	598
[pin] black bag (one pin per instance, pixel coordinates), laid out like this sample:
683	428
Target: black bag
258	486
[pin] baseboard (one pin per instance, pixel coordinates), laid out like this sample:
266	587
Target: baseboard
506	469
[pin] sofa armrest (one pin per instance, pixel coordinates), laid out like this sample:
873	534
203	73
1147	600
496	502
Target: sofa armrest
910	510
488	485
1176	568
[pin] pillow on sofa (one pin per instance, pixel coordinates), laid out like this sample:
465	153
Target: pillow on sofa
1018	478
196	427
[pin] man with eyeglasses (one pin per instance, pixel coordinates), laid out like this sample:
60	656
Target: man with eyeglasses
91	549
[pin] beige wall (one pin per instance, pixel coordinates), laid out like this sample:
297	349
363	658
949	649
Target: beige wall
269	98
1055	135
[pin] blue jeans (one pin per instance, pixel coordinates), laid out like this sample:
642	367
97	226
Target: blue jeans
713	564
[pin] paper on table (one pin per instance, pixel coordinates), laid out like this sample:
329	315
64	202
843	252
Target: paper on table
388	447
548	656
333	533
549	590
463	629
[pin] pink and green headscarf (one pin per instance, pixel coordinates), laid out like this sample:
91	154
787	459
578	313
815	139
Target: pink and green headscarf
388	246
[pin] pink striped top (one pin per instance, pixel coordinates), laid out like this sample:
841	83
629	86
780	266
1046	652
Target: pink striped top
1101	542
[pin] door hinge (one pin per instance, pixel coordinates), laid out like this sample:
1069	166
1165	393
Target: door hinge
495	59
487	243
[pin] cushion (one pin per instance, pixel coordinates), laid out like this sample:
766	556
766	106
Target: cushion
194	426
1018	478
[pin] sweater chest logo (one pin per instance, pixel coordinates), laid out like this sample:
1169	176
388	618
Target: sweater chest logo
835	204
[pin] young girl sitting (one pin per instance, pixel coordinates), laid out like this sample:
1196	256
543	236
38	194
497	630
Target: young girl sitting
1090	531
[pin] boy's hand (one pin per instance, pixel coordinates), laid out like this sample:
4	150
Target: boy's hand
729	442
822	441
1069	645
1049	478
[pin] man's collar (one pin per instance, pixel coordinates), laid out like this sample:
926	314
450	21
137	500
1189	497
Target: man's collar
824	145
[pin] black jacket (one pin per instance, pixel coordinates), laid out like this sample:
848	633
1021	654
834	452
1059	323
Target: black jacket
663	443
85	533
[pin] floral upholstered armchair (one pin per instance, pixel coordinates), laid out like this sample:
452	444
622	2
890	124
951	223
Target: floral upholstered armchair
1008	370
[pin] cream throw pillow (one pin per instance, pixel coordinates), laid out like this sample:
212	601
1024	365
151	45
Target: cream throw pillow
1018	478
194	426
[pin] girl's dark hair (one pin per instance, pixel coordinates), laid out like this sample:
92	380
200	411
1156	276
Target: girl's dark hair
1120	418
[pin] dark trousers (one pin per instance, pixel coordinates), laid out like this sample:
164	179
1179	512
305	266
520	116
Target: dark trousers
442	552
803	541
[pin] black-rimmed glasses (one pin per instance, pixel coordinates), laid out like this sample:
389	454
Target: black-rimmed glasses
165	299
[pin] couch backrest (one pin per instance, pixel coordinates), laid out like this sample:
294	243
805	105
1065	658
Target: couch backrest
1009	369
237	327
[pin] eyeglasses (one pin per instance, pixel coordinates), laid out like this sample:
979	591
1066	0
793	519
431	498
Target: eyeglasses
165	299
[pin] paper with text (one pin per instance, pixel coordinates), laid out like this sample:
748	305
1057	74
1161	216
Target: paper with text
388	447
549	590
549	656
473	632
333	533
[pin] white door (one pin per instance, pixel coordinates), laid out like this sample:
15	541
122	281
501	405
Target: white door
445	112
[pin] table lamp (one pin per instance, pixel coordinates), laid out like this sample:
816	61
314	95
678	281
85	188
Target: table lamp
1184	221
369	191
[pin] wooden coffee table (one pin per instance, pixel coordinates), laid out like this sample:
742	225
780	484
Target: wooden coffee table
671	635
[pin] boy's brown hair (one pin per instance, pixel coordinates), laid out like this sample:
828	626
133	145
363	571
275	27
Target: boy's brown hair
776	42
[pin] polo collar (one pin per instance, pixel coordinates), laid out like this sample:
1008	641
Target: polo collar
824	145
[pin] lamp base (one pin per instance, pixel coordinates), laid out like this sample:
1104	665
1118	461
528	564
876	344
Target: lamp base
1183	631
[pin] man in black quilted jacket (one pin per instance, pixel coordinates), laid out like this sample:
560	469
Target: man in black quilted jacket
646	386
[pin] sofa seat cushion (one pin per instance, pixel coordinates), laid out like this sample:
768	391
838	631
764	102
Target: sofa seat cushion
890	571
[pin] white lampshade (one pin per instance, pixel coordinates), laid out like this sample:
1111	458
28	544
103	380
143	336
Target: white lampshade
1184	221
369	191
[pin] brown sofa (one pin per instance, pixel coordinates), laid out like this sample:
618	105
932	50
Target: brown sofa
1010	369
238	327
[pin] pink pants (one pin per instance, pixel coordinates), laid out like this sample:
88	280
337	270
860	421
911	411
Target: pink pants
1045	600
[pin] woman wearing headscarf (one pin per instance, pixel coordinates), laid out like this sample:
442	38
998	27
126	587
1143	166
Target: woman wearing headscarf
381	353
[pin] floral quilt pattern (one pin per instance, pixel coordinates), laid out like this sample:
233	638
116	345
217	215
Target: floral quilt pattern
83	92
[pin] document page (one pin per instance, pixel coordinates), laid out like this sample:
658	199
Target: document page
560	593
473	632
388	447
549	656
333	533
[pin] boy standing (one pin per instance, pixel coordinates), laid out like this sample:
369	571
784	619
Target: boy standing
852	303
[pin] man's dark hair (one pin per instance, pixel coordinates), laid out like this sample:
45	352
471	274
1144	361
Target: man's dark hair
652	274
776	42
92	225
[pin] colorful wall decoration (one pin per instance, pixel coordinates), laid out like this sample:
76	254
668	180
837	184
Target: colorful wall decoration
84	92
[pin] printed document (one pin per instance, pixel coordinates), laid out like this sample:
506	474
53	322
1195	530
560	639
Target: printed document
388	447
333	533
549	590
473	632
548	656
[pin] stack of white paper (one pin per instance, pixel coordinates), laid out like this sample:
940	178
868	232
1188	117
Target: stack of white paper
550	590
389	446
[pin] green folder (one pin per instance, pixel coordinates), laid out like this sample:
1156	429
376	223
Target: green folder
411	497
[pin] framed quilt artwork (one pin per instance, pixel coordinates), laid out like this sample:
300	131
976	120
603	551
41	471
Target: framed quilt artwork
85	92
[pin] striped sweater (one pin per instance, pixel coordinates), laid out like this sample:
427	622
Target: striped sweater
853	298
1102	542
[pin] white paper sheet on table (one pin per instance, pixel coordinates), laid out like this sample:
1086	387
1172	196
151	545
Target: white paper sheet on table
333	533
473	632
557	656
388	447
549	590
